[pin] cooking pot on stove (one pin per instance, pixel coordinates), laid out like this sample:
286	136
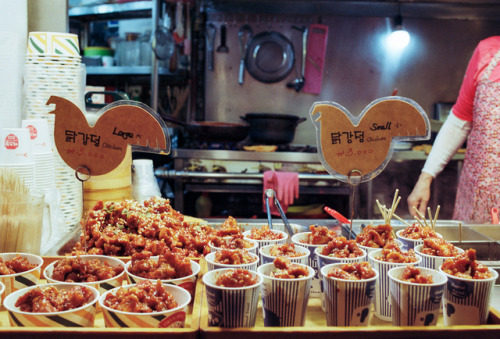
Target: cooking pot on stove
272	128
213	131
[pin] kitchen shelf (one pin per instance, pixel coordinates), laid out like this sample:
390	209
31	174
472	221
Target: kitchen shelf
136	9
127	70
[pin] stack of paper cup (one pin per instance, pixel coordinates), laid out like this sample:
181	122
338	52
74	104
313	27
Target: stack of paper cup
43	154
16	153
53	67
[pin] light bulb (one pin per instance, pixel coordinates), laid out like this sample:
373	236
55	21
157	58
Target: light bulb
399	38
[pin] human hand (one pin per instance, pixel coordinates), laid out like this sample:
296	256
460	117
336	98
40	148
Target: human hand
420	195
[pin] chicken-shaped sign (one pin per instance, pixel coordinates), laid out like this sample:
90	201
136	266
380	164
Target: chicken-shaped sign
362	145
98	149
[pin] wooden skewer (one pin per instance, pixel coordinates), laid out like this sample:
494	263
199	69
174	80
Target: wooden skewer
421	216
400	219
436	215
430	217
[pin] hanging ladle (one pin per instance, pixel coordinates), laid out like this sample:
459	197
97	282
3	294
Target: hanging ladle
300	81
270	194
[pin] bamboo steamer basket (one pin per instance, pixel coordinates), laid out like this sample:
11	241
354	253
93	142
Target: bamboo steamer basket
113	186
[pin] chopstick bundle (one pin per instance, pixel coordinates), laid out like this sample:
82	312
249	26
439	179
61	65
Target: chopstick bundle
432	220
19	222
387	214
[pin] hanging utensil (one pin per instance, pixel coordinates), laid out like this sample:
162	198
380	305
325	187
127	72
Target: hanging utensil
163	43
300	81
222	47
244	35
210	36
271	194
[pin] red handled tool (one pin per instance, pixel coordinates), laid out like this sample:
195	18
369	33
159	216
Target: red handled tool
337	215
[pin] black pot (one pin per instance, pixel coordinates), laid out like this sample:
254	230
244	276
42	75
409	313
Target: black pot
272	129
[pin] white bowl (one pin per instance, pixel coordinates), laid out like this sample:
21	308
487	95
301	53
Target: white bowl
77	317
173	318
103	285
188	282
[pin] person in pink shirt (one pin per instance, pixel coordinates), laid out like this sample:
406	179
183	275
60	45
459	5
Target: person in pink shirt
476	116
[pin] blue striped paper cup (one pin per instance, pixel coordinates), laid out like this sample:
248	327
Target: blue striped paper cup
83	316
467	301
432	261
103	285
408	243
284	301
383	307
348	302
14	282
173	318
188	282
324	260
231	306
212	265
262	243
415	304
266	258
252	249
301	239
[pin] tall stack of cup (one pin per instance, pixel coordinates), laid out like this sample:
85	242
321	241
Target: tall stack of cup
16	153
43	154
53	67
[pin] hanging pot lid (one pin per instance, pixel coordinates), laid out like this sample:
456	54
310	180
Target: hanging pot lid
270	57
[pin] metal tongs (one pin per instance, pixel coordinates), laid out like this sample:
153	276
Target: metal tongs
270	194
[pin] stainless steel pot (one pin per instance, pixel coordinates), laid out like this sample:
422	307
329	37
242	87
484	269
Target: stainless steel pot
272	128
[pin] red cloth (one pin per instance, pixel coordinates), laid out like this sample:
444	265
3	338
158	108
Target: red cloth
286	186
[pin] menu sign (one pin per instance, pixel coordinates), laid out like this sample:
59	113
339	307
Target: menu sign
363	145
98	149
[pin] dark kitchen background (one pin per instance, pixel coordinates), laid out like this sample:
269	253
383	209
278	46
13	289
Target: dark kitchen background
358	68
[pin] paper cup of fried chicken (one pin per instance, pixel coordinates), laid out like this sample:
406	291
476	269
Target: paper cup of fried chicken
232	259
285	292
416	295
169	268
52	305
19	270
338	250
265	236
317	237
382	261
99	271
232	297
349	293
414	235
297	254
469	289
434	251
233	242
147	304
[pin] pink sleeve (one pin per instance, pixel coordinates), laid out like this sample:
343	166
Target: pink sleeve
465	101
484	52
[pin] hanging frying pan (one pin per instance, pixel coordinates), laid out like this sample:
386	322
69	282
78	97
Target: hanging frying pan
270	57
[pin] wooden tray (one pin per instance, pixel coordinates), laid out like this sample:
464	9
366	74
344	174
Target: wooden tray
316	328
190	331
